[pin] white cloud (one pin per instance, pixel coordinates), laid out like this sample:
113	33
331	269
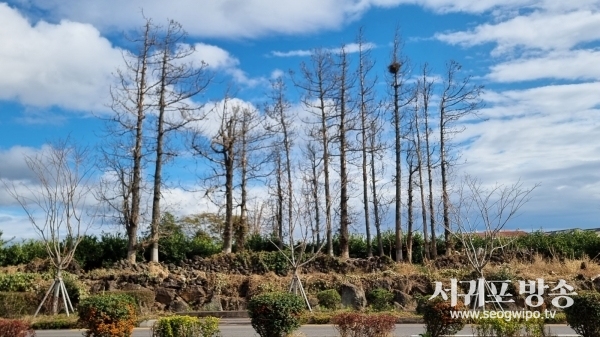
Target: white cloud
277	73
540	30
68	64
219	59
541	135
215	57
255	18
571	65
13	165
292	53
349	48
229	18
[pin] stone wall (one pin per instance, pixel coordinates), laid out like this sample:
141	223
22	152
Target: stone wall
227	281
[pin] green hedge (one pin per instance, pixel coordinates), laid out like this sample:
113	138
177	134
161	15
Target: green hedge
144	298
17	304
186	326
573	244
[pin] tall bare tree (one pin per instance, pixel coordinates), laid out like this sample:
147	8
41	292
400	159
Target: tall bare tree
397	69
367	108
318	85
55	204
416	137
178	82
425	91
311	176
412	169
459	98
220	151
344	123
251	157
375	147
123	154
277	156
281	126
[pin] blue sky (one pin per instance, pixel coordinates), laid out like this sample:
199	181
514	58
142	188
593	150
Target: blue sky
539	62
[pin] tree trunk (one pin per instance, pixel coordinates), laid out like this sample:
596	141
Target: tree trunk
344	216
57	289
279	215
364	96
160	134
409	229
372	136
398	176
419	153
228	231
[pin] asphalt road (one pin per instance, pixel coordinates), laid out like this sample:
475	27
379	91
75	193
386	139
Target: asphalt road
245	330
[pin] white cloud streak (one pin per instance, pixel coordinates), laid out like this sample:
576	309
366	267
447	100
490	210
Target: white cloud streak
349	48
540	30
569	65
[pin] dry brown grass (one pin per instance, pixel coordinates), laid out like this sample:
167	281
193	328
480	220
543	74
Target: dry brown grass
549	269
157	270
407	269
258	284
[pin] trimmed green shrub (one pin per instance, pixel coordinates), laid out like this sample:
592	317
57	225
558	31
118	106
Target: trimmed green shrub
316	317
15	328
55	322
354	324
329	299
108	315
438	318
491	327
186	326
144	298
17	304
18	281
275	314
380	299
584	315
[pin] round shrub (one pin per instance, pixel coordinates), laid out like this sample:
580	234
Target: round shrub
584	315
329	299
380	299
438	318
275	314
108	315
